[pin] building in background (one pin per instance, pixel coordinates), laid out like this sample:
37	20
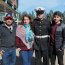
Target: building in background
9	6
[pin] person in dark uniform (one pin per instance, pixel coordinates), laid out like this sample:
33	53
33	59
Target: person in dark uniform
57	38
42	31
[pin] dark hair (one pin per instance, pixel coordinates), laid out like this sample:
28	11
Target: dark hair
26	16
57	13
31	22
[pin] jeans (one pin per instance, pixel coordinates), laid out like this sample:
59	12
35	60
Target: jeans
26	56
9	57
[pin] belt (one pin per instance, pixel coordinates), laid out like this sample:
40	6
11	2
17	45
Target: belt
44	36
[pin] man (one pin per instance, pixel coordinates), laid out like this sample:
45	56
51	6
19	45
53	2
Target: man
57	38
7	40
41	30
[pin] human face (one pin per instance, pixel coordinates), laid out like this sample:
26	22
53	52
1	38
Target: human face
57	18
26	20
40	16
9	22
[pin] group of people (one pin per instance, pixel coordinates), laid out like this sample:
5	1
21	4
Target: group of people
45	37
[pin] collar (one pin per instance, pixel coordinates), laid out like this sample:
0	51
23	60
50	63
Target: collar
59	23
4	25
9	26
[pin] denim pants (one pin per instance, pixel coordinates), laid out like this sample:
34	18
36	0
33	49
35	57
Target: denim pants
9	57
26	56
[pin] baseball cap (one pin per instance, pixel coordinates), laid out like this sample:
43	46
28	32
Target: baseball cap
8	16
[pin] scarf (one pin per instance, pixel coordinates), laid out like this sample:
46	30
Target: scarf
29	34
25	34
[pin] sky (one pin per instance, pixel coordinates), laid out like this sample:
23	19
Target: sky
30	5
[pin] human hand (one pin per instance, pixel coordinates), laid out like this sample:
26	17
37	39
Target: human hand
28	46
17	52
1	52
18	49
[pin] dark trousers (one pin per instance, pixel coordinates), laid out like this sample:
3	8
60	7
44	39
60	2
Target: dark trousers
43	54
59	55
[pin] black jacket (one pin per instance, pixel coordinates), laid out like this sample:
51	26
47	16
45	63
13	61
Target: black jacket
59	41
41	28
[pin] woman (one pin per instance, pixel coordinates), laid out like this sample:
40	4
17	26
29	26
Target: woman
25	40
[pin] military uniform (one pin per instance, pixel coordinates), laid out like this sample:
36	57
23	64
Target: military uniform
42	31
